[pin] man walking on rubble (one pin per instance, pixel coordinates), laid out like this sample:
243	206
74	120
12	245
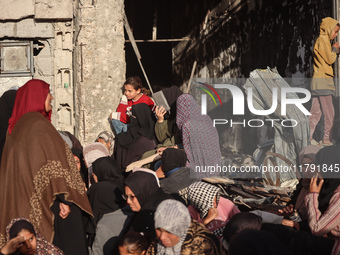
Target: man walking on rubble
322	86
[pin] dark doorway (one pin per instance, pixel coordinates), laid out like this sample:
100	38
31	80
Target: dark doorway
144	18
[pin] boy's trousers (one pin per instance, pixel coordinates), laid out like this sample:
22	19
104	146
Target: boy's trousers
322	105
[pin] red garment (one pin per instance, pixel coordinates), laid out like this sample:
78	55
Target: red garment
226	209
30	98
124	108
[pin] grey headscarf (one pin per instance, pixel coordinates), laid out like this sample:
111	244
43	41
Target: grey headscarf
172	216
107	136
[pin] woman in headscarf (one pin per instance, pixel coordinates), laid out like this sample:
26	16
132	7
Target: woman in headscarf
243	222
175	177
39	178
143	194
307	164
106	199
106	194
209	207
323	200
166	130
92	152
200	137
139	138
177	234
22	239
81	166
106	138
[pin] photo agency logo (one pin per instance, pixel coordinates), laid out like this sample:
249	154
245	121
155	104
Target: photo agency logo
261	102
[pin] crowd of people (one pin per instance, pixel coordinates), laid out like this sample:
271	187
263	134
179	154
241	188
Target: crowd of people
134	190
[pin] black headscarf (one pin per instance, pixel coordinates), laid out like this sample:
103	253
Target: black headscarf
75	142
171	94
106	195
6	105
83	169
142	184
330	157
106	169
173	158
240	222
142	122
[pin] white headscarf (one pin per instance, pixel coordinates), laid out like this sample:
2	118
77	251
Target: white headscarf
94	151
172	216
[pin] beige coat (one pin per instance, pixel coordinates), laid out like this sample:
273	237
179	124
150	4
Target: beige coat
324	57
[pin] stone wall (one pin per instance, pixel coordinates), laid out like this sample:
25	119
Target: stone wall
99	65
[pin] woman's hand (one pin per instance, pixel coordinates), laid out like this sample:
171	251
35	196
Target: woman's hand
315	184
160	150
160	111
288	210
13	244
64	210
212	214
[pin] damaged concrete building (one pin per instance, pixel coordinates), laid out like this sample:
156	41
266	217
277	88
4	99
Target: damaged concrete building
81	49
77	47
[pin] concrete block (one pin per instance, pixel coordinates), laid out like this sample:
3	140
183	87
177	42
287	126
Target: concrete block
54	9
17	9
7	29
29	28
44	65
63	59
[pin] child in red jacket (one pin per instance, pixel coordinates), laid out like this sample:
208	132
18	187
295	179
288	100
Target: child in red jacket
134	93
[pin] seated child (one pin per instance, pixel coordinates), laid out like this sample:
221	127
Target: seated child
134	93
23	239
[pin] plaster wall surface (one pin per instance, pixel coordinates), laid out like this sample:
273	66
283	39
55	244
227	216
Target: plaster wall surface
99	65
56	9
16	9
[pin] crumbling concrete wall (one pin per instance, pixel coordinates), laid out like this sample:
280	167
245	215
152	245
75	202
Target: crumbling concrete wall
99	64
49	26
82	58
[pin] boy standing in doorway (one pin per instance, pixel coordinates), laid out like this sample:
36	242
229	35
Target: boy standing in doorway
322	86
